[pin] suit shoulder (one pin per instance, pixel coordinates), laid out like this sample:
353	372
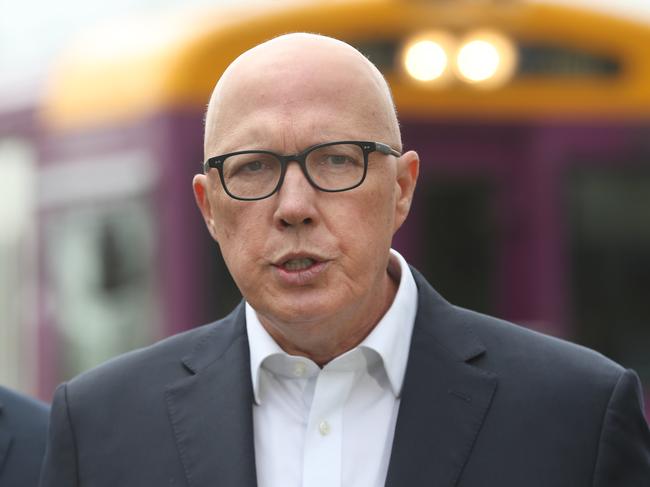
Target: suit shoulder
511	350
21	406
23	428
160	362
26	418
511	345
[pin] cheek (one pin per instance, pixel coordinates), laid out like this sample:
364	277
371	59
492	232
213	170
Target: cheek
225	225
379	214
238	233
368	228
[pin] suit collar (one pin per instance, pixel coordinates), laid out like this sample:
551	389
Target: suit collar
445	399
211	409
214	341
443	323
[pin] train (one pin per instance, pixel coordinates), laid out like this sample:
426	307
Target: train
532	121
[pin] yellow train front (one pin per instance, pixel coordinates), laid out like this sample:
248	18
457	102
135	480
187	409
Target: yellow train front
533	126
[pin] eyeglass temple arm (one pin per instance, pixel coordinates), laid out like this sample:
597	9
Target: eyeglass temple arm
206	165
386	149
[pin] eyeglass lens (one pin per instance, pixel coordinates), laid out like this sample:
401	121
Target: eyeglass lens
333	167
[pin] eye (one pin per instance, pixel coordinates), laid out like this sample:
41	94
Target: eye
248	165
252	166
333	165
338	157
338	160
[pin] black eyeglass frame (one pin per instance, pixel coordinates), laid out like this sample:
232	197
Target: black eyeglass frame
301	158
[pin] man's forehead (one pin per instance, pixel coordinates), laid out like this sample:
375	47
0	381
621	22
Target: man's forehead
298	72
289	131
286	72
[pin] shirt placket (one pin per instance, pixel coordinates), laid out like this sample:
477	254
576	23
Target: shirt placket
324	435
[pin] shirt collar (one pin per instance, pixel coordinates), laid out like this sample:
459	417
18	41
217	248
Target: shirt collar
390	338
261	346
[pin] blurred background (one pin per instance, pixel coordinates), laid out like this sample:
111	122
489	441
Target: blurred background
532	120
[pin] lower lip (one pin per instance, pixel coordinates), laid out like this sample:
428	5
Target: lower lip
300	277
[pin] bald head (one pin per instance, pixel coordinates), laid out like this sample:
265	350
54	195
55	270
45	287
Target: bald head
282	80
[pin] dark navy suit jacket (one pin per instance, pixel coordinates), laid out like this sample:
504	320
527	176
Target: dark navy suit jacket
23	430
485	404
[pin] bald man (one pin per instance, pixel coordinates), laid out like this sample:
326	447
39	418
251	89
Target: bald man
342	366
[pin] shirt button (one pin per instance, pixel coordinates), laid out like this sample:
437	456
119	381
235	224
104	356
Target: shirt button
299	369
324	428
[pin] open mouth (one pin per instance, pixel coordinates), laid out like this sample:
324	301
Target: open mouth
299	269
294	265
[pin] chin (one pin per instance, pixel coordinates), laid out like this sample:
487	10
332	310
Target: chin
300	311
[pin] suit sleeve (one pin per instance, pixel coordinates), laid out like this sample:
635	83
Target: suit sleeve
60	463
624	449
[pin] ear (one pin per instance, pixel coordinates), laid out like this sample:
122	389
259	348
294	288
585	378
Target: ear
200	186
408	168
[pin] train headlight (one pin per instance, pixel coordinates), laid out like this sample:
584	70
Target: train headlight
486	59
426	58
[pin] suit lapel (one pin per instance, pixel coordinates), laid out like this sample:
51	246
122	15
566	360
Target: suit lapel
211	409
444	398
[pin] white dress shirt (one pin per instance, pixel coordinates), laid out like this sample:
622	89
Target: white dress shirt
333	426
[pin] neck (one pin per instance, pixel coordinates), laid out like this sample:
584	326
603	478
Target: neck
325	340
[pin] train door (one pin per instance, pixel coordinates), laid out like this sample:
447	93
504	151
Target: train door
606	191
487	226
455	231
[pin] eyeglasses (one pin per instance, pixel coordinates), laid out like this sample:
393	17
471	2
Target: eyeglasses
332	167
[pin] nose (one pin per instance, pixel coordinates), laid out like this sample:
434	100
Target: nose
295	200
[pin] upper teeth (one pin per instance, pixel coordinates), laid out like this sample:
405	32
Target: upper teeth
298	264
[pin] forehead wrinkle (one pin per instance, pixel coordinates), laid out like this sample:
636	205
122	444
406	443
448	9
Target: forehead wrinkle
286	134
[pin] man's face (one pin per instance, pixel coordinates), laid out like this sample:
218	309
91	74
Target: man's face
303	258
